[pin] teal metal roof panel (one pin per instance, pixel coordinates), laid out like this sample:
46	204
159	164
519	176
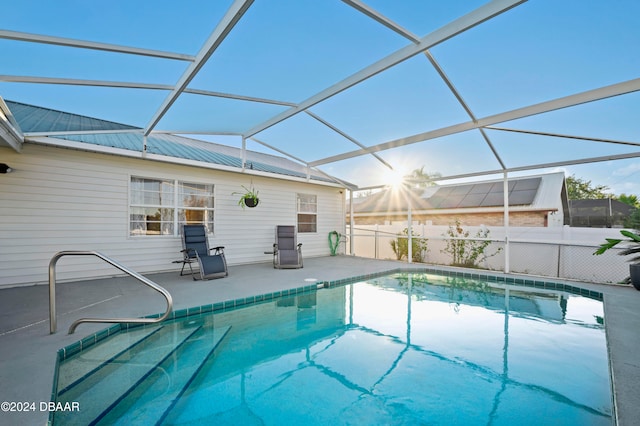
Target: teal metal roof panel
177	147
33	119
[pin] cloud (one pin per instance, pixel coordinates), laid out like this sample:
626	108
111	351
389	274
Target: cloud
627	170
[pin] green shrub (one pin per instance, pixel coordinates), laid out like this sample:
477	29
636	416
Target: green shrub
400	246
467	252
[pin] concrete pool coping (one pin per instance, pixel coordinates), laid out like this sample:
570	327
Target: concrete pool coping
28	352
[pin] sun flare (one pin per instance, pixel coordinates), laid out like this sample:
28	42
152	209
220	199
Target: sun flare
394	178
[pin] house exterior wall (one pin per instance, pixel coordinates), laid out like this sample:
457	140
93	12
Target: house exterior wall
61	199
526	218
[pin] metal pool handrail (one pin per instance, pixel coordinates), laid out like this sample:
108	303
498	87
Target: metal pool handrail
144	280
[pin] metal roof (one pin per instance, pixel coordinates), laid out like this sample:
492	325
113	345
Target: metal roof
33	120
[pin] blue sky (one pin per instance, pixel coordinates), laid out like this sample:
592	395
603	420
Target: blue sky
290	50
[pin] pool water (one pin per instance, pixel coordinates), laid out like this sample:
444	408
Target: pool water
402	349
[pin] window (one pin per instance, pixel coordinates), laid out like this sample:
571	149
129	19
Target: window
156	208
195	204
307	212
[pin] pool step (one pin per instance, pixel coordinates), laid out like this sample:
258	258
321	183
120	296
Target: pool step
152	400
72	371
115	377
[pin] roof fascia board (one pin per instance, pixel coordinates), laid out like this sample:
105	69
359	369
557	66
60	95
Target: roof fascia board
555	104
9	129
470	20
83	44
231	18
80	146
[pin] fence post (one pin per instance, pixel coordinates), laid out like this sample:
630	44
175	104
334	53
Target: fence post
375	242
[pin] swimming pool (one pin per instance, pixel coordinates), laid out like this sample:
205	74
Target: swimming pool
404	348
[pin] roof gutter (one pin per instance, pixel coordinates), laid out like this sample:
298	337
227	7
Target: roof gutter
80	146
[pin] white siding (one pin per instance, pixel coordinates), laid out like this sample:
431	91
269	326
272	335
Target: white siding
60	199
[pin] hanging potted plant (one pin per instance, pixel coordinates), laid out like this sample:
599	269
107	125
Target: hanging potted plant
632	247
248	198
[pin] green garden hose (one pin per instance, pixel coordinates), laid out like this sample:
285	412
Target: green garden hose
334	240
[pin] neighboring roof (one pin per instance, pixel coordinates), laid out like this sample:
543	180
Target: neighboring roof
540	192
33	120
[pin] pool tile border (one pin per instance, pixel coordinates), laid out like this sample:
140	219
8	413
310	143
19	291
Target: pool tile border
95	338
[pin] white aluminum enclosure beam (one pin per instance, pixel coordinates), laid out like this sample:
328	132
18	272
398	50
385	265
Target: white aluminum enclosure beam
79	82
346	136
279	151
559	103
301	161
230	19
357	4
460	25
134	85
61	41
464	105
560	135
379	17
238	97
538	166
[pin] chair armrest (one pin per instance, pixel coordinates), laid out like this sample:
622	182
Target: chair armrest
187	253
218	250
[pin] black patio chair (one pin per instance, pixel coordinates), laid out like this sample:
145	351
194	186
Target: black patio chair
195	247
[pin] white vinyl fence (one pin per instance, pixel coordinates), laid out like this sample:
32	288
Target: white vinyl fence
558	252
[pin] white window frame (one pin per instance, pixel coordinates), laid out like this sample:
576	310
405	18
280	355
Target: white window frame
176	206
306	208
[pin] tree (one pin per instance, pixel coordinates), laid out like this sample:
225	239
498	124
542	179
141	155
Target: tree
418	178
631	200
580	189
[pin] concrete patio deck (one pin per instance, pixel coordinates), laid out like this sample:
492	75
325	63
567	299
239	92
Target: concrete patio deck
28	351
